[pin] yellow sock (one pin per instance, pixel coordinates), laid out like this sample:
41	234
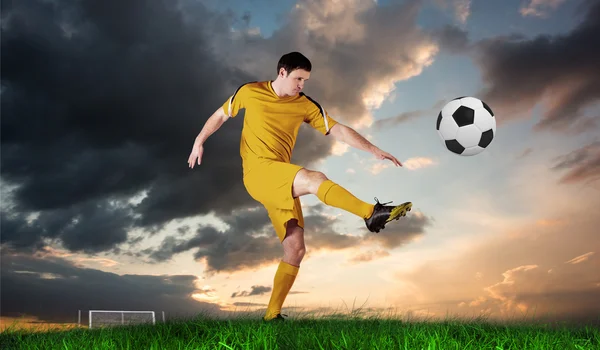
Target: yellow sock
335	195
284	279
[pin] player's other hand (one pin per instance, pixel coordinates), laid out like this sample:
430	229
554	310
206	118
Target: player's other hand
379	154
195	155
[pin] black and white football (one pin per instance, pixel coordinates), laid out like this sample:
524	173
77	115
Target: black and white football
466	126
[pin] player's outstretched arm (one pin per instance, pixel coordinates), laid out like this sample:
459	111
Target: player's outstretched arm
212	124
346	134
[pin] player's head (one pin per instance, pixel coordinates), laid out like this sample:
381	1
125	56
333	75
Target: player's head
293	70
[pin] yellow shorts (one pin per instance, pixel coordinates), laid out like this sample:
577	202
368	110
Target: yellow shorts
270	183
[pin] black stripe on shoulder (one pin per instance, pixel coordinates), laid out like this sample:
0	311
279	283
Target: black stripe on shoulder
241	86
313	101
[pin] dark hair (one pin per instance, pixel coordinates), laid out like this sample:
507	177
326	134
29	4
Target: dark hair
292	61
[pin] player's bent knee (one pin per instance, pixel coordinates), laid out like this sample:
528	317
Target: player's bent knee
294	254
308	182
299	187
293	243
317	177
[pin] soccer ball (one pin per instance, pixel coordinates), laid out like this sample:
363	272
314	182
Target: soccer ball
466	126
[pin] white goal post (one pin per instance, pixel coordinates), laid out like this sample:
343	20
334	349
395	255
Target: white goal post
99	318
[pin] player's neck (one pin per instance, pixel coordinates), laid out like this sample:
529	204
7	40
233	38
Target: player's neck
277	88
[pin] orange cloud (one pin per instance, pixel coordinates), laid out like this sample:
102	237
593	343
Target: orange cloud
369	256
549	222
540	273
580	258
539	8
503	291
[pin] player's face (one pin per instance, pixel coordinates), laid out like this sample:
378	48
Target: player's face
294	82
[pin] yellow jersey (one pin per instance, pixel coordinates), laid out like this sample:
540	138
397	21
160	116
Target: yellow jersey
271	123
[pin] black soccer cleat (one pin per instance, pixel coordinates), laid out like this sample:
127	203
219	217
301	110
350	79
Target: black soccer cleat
382	214
277	318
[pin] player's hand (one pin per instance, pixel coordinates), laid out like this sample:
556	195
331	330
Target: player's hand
195	155
379	154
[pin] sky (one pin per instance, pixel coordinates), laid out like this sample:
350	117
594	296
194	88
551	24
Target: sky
101	104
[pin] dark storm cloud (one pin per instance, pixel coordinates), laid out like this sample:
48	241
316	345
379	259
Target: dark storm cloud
102	101
402	232
581	165
256	290
54	289
90	227
241	245
559	70
452	39
250	239
320	234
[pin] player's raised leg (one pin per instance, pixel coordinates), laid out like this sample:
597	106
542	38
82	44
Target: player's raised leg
330	193
375	215
293	253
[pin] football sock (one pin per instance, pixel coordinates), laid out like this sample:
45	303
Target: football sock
284	279
335	195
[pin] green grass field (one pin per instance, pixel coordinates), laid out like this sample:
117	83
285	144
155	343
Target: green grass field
311	333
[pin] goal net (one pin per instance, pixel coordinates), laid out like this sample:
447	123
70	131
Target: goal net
109	318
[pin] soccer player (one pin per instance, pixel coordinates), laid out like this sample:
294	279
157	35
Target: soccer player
274	111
